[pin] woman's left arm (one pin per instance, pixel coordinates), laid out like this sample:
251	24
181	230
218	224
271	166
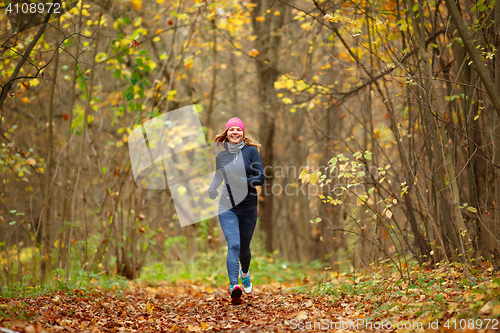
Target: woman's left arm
256	166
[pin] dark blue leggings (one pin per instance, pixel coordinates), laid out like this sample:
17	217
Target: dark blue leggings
238	226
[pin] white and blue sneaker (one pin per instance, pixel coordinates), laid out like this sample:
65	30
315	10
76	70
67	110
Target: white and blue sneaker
247	282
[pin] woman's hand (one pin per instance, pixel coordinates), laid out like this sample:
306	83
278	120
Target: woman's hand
212	193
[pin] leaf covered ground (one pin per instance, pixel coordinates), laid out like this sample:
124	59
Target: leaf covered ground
439	300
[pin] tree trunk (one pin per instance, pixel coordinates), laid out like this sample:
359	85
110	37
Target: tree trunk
474	54
47	227
492	244
268	44
454	227
66	213
82	143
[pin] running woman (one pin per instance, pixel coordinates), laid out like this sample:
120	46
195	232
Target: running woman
237	208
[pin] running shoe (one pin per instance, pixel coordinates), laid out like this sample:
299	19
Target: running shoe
235	294
247	282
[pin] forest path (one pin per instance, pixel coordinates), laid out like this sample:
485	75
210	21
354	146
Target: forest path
188	307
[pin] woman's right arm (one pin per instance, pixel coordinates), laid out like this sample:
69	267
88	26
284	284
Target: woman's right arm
218	178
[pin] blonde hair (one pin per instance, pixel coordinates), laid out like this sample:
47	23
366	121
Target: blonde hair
221	140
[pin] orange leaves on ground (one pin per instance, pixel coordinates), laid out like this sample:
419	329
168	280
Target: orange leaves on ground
382	296
184	306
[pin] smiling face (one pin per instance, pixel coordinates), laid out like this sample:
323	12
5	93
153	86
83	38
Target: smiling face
234	134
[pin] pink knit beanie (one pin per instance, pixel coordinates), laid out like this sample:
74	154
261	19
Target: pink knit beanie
236	122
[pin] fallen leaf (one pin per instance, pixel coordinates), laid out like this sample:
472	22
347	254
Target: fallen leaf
486	309
29	329
301	316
